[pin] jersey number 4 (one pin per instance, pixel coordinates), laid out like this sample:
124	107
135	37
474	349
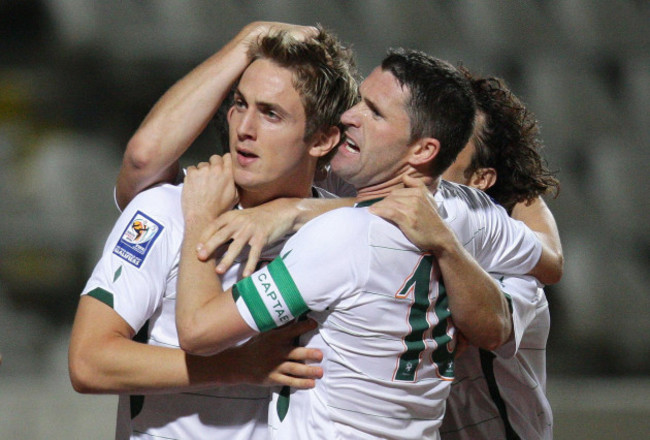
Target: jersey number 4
439	333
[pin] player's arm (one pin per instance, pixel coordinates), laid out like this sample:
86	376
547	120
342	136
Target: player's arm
177	119
103	358
538	217
260	226
206	317
183	112
479	308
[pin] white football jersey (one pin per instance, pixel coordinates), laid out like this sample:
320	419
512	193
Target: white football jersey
502	394
137	276
385	328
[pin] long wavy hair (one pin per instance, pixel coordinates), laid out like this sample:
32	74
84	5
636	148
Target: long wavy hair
507	138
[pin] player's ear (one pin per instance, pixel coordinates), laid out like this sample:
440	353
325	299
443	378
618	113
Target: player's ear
325	141
424	151
229	113
483	178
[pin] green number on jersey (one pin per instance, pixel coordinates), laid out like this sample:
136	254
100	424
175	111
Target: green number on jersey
419	283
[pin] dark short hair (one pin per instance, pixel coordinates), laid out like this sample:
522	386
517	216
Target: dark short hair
441	103
507	138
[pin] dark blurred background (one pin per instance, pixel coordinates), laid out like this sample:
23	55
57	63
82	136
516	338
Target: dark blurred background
77	77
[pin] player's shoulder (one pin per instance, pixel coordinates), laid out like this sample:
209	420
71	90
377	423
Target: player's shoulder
465	196
340	235
158	208
162	200
339	224
343	216
354	225
458	202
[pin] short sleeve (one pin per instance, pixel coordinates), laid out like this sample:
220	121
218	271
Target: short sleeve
319	266
138	257
508	246
524	297
497	242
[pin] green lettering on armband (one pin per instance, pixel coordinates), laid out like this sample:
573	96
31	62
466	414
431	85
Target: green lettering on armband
287	287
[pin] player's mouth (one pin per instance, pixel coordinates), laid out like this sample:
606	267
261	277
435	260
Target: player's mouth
350	145
245	157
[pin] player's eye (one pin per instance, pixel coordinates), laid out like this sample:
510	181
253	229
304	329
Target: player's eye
374	111
272	115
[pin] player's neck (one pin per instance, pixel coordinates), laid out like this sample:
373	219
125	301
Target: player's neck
296	183
383	189
379	190
257	196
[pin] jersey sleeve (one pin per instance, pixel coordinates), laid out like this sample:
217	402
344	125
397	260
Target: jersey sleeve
115	199
524	296
497	242
138	256
320	266
508	246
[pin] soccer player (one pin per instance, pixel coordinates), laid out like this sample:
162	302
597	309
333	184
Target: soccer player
293	83
385	326
498	394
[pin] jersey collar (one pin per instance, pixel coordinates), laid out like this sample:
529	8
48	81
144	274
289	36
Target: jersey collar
367	203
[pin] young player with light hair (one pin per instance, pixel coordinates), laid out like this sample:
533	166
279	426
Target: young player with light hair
293	83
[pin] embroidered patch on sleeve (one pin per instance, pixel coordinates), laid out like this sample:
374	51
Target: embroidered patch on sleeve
138	239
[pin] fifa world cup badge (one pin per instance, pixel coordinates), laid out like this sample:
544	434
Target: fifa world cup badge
137	239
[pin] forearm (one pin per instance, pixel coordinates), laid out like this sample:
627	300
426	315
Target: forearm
136	175
207	318
539	218
478	307
308	209
104	358
199	291
126	366
178	118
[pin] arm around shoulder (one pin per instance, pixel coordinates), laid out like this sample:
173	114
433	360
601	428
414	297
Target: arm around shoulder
478	306
180	115
539	218
479	309
207	318
103	359
144	165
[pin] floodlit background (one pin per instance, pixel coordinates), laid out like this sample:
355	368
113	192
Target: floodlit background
77	77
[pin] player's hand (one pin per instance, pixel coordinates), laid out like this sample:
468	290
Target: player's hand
279	361
258	29
257	227
209	190
413	209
